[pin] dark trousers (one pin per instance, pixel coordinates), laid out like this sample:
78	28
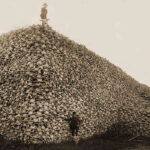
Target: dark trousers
74	131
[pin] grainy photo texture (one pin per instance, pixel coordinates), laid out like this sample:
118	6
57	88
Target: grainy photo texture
58	94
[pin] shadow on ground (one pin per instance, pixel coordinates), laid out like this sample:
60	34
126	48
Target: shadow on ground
111	140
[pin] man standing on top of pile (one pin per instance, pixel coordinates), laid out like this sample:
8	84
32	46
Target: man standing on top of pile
43	14
74	123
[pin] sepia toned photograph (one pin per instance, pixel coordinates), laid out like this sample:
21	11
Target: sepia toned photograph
74	75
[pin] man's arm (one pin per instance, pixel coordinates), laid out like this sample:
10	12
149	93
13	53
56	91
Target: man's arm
66	119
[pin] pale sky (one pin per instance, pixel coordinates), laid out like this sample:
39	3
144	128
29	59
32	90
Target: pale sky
118	30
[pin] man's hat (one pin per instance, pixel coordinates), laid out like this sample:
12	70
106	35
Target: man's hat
45	4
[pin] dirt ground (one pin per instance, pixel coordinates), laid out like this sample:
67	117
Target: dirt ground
94	143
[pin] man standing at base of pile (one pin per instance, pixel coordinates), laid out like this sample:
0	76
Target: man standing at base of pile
43	14
74	123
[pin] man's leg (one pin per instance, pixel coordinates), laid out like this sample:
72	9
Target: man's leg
77	129
76	138
72	131
44	22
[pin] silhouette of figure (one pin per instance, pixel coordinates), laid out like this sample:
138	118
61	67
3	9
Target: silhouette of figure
74	123
43	14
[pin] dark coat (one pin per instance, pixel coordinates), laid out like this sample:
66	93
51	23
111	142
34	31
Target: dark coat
74	122
43	13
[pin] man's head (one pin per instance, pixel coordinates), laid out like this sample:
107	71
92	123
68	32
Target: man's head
74	113
45	5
